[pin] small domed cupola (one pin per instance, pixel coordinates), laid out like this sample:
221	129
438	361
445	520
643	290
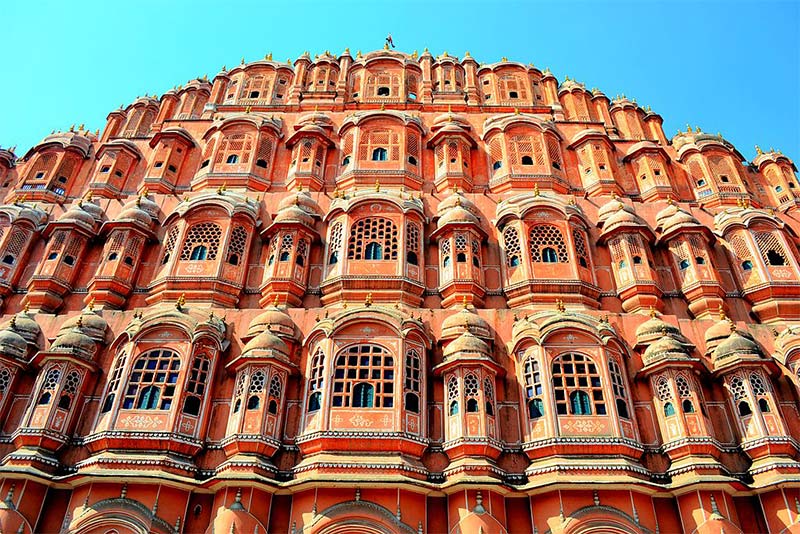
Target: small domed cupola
735	350
466	320
665	349
76	342
12	345
467	347
717	332
654	329
23	324
275	319
89	322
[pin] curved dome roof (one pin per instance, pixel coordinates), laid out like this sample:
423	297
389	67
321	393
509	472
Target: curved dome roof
674	216
457	215
74	341
612	206
736	345
89	322
654	328
717	332
76	213
141	210
265	342
465	320
12	344
24	324
665	348
274	319
467	346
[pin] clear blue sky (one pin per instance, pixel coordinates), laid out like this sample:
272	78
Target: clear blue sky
728	66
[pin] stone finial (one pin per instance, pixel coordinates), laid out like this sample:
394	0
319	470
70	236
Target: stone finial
237	500
464	302
653	313
536	190
124	491
368	300
242	63
181	302
13	323
90	305
560	306
358	494
377	185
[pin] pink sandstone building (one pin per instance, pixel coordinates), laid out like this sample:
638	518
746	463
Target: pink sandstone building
397	293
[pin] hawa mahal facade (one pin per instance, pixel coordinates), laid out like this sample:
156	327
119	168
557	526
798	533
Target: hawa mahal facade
397	293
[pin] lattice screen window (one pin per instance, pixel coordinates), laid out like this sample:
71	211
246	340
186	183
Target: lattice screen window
379	145
41	168
526	150
316	380
452	152
476	253
115	245
664	390
488	396
452	396
618	386
152	381
364	378
256	390
412	380
274	393
461	248
134	117
760	387
634	128
234	149
636	249
576	386
512	88
554	152
113	383
207	152
264	154
678	249
63	175
5	381
256	87
496	153
471	393
444	252
532	376
412	147
57	243
698	249
287	242
771	248
685	393
144	124
239	392
169	243
696	170
512	247
737	388
373	238
580	248
412	87
71	384
412	243
383	84
720	168
547	244
50	383
302	252
202	242
196	386
347	149
742	252
237	246
72	250
335	244
581	110
15	242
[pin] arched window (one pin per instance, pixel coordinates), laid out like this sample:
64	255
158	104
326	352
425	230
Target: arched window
113	383
379	154
488	396
547	241
237	245
580	248
412	243
49	385
532	377
664	391
5	381
373	368
235	149
196	386
315	382
740	397
685	393
576	373
444	252
202	242
379	232
618	385
287	242
771	248
412	379
69	390
669	409
256	390
760	391
275	393
302	252
335	244
169	243
152	381
527	160
238	393
512	246
471	393
452	395
747	265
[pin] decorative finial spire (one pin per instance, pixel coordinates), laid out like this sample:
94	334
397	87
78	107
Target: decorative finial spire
653	312
758	150
13	323
377	185
242	60
368	300
181	302
91	304
27	307
464	302
536	190
560	306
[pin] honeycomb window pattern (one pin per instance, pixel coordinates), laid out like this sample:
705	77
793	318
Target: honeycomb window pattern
580	248
373	238
237	245
5	380
547	236
512	246
203	234
664	390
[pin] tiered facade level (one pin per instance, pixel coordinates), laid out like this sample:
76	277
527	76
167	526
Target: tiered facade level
397	293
